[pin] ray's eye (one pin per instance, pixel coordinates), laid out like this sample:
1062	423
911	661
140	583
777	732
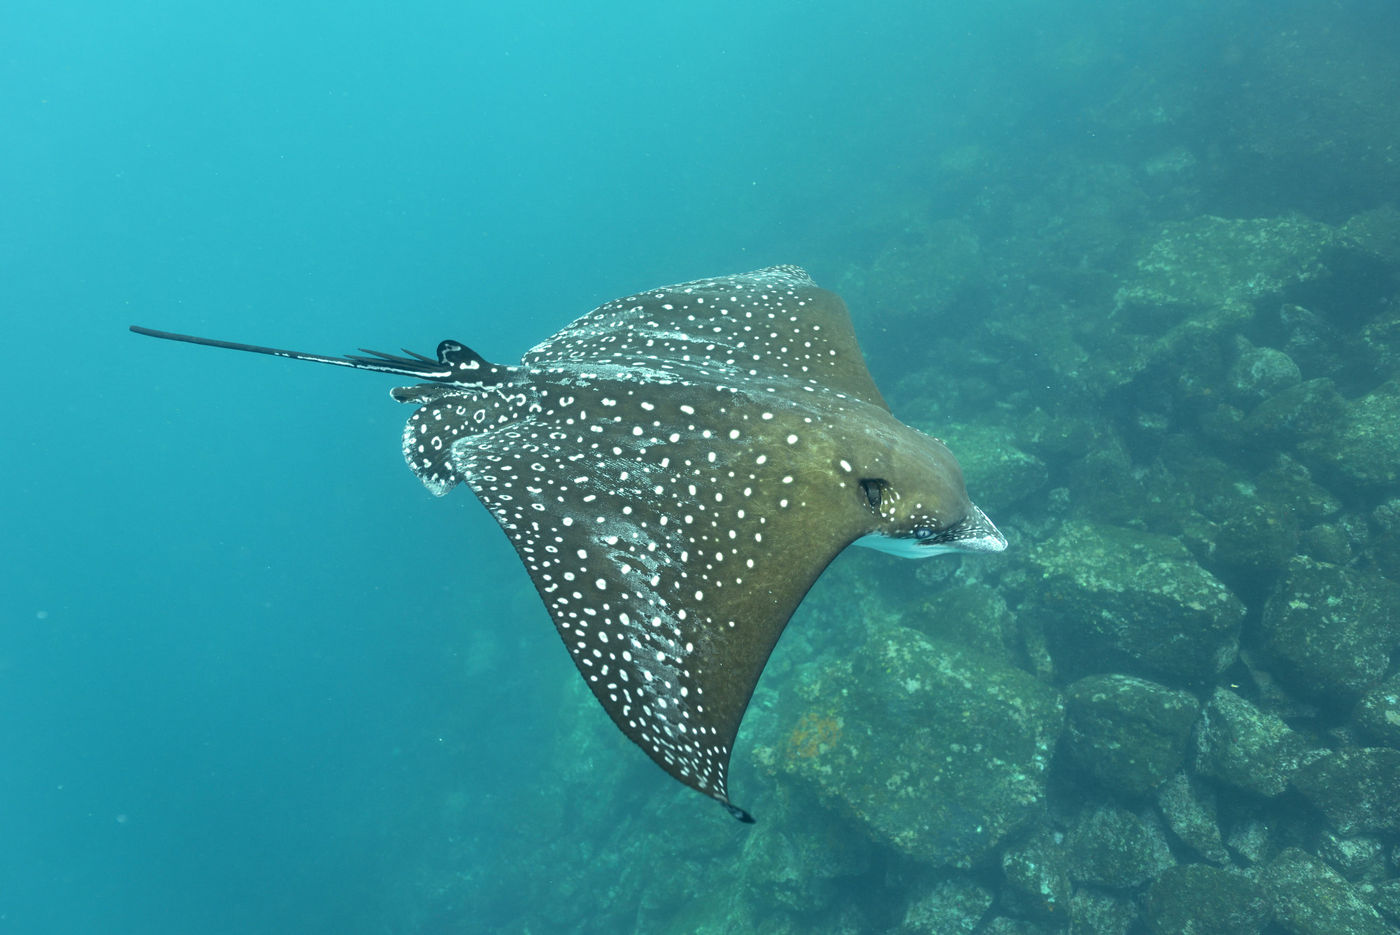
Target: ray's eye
923	532
874	489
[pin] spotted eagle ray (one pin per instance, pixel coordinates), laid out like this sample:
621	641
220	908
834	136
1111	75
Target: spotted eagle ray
675	469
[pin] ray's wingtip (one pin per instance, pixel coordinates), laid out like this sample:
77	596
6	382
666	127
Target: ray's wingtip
739	813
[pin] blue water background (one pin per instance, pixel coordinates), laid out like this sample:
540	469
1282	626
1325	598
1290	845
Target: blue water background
243	650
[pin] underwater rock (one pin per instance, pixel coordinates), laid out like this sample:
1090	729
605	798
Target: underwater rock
1059	435
1310	898
1384	547
1329	630
1251	839
938	751
1001	925
1386	898
1377	714
1105	483
1001	473
1094	912
1224	425
793	865
1261	372
1381	338
1289	485
926	267
1363	448
1310	410
1244	747
1258	538
1035	879
951	906
1198	899
1203	277
1327	542
1111	847
1358	790
962	612
1114	599
1210	262
1128	733
1188	807
1376	232
1316	344
1358	857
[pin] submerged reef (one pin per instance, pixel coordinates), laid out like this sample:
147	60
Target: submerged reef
1170	366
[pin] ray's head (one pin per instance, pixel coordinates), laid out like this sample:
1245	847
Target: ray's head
919	504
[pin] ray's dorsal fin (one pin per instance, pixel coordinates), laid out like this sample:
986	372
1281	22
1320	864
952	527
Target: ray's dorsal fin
456	364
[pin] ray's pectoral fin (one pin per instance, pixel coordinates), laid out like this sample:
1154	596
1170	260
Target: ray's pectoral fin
669	595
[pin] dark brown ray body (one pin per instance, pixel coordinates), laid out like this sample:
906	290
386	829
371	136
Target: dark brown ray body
676	469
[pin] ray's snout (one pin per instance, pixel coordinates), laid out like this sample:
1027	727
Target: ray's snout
975	533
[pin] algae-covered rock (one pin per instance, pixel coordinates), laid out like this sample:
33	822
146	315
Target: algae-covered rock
1358	790
1114	848
1119	600
1210	261
1386	898
1258	538
1384	546
1363	448
951	906
1199	278
962	612
1310	898
1260	372
938	751
1244	747
1198	899
1189	808
1329	630
1381	338
1378	712
999	473
1128	733
793	865
1094	912
1252	839
930	266
1002	925
1329	542
1359	857
1309	410
1376	232
1035	878
1191	283
1289	485
1063	431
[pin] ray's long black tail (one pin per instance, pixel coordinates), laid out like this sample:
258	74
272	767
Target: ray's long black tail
455	363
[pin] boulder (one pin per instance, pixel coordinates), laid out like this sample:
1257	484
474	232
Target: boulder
938	751
1113	599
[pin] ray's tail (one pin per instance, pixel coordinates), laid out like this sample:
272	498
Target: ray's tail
455	364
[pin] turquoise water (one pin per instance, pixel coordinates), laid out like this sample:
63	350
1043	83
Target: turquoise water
253	677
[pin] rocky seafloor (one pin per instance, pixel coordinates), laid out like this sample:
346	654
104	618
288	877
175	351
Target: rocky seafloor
1173	704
